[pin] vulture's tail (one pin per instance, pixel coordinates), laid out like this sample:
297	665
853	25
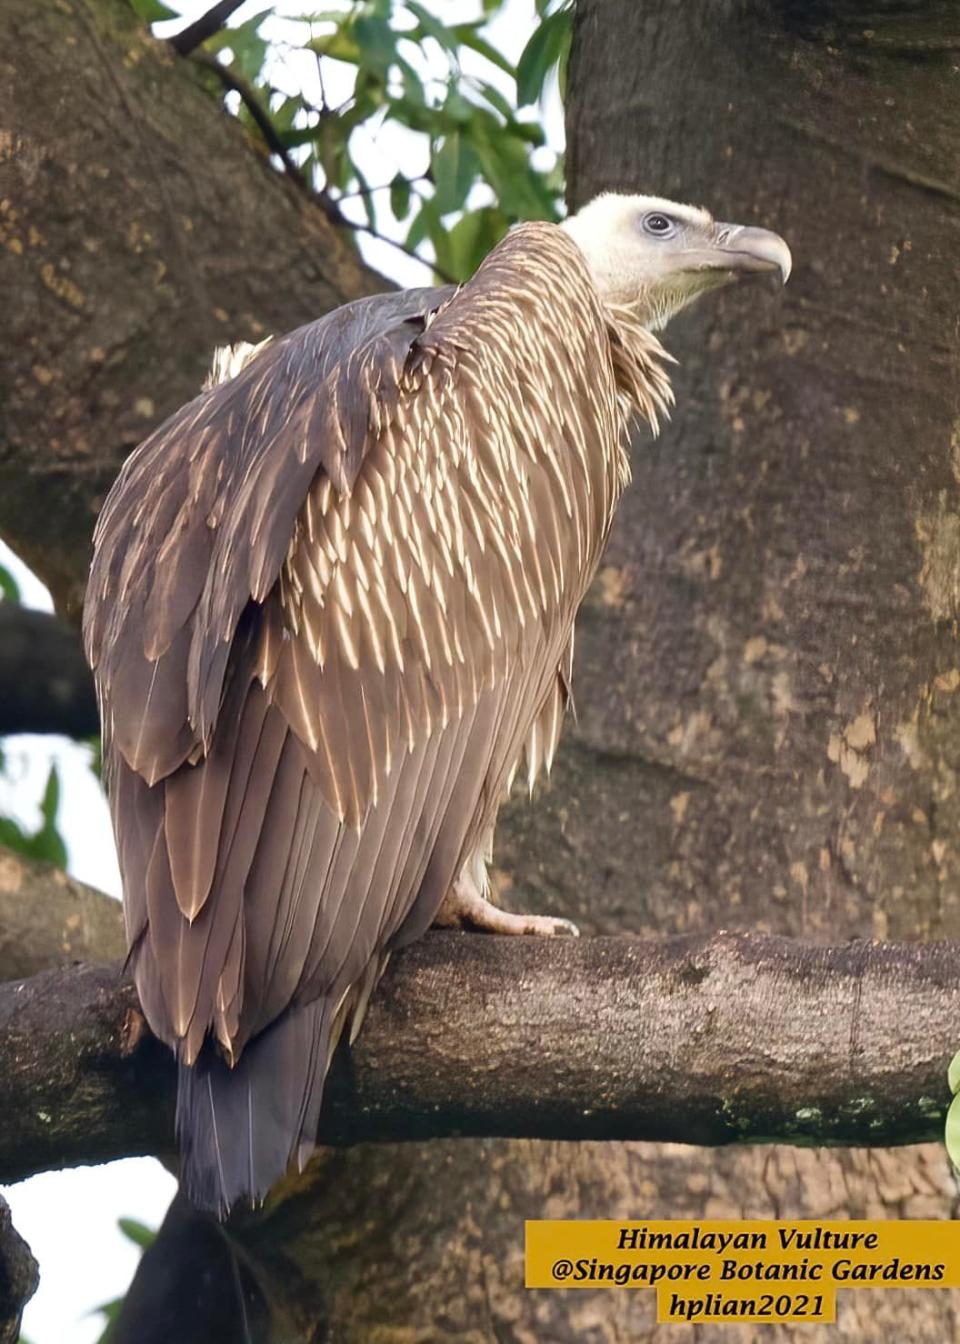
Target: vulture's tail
239	1127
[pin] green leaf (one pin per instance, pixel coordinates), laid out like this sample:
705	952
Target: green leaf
440	238
412	84
472	237
9	590
51	797
366	197
454	167
424	220
111	1310
415	116
152	11
496	100
456	107
377	42
953	1074
430	26
340	45
45	843
467	35
505	163
137	1232
400	193
13	836
951	1132
546	48
248	47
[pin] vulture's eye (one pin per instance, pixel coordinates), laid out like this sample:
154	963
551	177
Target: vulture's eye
661	226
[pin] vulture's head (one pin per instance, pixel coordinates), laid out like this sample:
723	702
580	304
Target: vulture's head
656	256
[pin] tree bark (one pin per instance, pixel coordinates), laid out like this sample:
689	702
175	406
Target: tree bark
768	670
49	919
19	1276
139	227
731	1038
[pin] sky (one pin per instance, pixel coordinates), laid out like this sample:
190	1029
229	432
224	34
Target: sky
69	1218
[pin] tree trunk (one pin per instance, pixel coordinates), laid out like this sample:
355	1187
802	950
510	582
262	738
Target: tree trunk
768	684
139	228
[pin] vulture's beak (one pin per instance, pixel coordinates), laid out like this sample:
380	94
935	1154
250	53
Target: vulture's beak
734	250
751	251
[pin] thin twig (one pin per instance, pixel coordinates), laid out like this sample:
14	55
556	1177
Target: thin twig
253	105
330	207
196	33
384	186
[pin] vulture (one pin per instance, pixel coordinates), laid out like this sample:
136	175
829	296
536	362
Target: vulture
330	616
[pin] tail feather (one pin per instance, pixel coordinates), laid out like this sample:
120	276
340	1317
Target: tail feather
240	1127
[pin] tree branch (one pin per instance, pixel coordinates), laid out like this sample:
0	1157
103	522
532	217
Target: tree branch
196	33
48	919
258	112
45	684
730	1038
19	1277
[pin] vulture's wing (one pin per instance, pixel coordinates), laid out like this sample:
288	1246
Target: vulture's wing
329	601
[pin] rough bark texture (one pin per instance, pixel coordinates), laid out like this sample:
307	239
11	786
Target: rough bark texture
729	1039
19	1277
768	674
45	684
139	227
49	919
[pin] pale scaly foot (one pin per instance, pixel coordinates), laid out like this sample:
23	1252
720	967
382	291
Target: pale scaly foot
464	907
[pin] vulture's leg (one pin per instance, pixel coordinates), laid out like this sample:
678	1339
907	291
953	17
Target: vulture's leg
465	907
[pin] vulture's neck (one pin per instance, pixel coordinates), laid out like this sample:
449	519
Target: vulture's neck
639	364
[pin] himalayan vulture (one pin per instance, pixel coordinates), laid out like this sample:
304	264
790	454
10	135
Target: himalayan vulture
330	615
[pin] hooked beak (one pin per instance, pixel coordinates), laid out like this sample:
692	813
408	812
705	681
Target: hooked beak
752	251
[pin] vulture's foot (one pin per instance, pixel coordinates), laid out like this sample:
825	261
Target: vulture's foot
465	908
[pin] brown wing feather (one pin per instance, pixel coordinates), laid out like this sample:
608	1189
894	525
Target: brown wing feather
328	608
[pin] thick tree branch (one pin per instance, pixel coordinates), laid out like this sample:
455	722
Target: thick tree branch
730	1038
19	1277
45	684
48	919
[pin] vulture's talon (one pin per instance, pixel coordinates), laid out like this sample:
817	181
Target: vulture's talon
466	908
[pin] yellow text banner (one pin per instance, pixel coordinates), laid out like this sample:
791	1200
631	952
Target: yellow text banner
716	1270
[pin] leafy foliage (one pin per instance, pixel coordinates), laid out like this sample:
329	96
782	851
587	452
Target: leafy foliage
484	164
45	843
152	11
547	49
9	591
951	1132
